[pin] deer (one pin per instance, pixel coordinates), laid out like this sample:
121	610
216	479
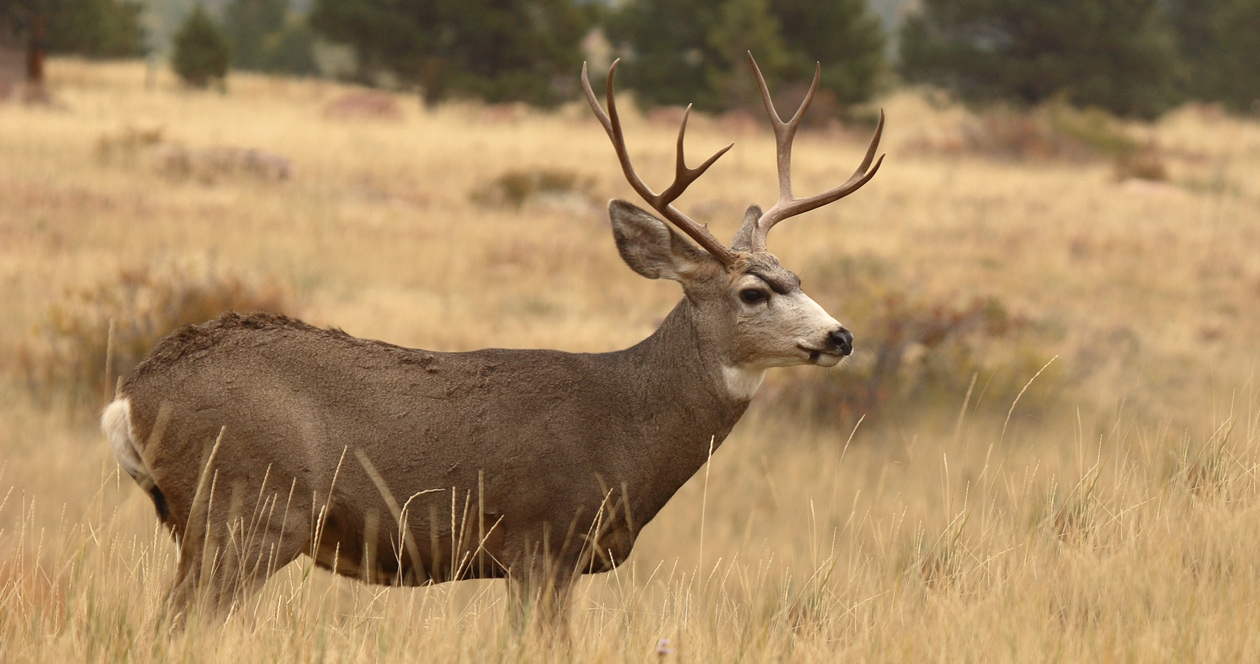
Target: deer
260	438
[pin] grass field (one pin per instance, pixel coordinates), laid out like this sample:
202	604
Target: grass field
1111	513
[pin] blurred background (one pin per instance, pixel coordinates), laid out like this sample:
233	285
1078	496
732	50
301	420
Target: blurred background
1046	444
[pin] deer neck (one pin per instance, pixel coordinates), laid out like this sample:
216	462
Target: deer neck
685	400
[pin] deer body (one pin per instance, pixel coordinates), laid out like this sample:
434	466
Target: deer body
261	438
537	442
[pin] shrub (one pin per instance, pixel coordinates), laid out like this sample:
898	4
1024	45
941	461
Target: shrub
202	51
1054	131
914	353
513	188
98	334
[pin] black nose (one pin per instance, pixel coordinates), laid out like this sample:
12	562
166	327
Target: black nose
842	341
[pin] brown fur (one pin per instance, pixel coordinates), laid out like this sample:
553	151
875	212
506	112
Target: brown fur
261	437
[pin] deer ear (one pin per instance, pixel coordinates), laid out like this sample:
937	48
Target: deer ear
650	247
743	238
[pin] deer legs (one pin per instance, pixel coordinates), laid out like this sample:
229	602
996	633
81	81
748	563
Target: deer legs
222	566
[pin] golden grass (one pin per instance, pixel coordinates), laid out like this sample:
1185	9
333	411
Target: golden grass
1118	525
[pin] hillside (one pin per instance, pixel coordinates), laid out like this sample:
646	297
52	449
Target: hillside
1061	463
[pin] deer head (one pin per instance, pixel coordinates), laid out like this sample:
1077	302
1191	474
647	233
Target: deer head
751	307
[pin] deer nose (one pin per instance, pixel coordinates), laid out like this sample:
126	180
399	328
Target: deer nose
842	340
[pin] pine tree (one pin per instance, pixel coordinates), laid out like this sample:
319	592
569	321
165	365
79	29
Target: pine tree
202	51
1218	41
845	36
671	57
695	50
92	28
742	27
247	24
290	51
1238	26
1115	54
498	50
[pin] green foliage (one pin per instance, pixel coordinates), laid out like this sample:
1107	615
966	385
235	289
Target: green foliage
91	28
522	50
693	51
247	23
672	56
93	336
845	36
1114	54
290	51
202	51
97	28
742	27
1218	42
265	38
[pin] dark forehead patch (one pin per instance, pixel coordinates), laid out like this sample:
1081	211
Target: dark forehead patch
766	267
781	281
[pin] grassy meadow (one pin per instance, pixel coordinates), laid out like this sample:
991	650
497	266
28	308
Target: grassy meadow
1104	509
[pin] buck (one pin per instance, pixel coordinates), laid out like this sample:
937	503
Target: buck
260	438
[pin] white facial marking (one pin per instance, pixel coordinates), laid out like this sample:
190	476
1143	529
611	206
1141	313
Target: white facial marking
812	314
741	382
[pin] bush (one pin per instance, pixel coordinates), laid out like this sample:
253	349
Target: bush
913	353
1054	131
515	187
96	335
202	51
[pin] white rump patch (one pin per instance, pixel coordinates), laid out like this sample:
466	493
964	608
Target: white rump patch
116	423
742	383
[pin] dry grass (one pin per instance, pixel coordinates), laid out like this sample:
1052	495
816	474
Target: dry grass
1111	519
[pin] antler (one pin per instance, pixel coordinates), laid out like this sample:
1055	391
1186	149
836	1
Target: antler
784	132
683	176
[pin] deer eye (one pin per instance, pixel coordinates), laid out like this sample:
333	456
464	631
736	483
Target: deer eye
752	295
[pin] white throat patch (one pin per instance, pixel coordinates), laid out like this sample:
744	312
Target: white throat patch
741	382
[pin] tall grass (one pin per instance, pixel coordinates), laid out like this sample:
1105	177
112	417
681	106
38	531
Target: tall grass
1107	515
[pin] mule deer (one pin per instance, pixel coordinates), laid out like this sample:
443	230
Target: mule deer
261	438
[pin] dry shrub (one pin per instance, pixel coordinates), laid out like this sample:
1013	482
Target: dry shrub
1146	163
364	106
914	353
513	188
127	143
218	161
132	146
97	334
1054	131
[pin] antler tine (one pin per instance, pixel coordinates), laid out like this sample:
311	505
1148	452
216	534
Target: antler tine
784	133
683	176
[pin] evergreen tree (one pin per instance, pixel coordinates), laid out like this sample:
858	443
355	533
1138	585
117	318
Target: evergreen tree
695	50
290	51
202	52
1238	26
743	27
1218	42
266	37
498	50
844	35
670	54
92	28
1115	54
247	24
96	28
